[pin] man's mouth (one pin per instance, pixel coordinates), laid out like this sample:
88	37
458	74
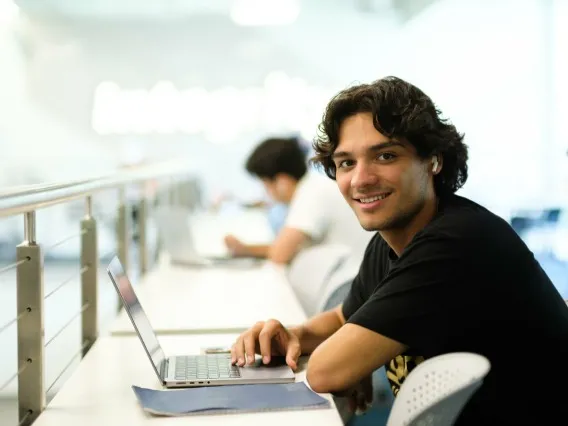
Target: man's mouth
369	200
373	201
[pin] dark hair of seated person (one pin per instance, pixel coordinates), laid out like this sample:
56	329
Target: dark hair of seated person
274	156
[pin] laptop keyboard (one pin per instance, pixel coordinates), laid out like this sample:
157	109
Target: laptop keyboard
214	366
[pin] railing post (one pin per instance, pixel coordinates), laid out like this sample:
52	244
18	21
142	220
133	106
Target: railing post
122	230
142	240
122	223
29	281
173	193
89	268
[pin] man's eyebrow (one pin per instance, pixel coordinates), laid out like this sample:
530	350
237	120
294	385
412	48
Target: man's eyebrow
385	145
376	147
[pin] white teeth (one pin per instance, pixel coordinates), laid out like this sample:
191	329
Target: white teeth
372	199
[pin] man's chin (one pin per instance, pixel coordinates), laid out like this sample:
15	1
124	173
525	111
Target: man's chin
371	225
377	222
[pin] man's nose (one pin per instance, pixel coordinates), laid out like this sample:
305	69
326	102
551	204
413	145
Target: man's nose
363	176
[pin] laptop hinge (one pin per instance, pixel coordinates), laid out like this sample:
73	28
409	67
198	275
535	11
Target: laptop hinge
164	369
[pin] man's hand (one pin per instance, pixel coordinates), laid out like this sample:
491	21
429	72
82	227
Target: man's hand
235	246
360	396
267	339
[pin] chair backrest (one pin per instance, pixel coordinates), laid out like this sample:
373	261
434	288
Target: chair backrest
310	270
338	284
436	391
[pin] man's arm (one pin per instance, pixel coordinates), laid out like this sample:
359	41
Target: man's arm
288	242
253	250
348	356
318	328
405	312
282	250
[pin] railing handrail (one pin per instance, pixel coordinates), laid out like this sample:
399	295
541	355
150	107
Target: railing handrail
170	182
39	196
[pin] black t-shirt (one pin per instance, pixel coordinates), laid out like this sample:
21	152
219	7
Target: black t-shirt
467	282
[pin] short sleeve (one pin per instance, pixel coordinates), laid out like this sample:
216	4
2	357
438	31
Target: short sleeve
429	296
355	298
308	211
365	281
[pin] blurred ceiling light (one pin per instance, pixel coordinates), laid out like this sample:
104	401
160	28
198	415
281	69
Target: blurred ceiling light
265	12
282	104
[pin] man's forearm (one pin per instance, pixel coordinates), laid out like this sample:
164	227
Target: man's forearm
317	329
260	251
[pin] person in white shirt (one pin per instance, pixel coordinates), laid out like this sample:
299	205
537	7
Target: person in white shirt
317	212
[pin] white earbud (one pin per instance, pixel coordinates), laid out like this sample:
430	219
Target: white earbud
435	163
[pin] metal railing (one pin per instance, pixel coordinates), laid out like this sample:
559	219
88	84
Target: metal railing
173	183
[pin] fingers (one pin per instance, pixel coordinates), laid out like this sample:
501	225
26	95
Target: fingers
270	329
361	403
352	400
293	354
250	344
229	241
235	246
361	397
367	385
266	338
243	349
238	351
358	402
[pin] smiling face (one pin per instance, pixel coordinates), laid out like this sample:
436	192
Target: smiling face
384	180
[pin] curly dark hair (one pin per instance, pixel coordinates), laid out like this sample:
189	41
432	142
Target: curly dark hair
400	111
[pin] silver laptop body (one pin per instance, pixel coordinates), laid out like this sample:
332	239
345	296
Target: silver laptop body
178	240
189	370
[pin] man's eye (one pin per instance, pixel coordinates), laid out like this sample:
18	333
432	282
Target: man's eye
386	156
344	163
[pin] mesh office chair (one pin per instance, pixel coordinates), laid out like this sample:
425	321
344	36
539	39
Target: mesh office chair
334	293
310	270
436	391
338	285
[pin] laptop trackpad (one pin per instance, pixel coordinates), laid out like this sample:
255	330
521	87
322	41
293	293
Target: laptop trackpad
277	368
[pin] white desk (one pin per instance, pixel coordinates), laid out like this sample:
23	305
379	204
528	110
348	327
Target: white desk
99	392
213	300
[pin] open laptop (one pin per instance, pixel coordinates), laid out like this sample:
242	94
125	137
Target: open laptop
189	370
179	242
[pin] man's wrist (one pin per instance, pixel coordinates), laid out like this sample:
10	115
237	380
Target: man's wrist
298	331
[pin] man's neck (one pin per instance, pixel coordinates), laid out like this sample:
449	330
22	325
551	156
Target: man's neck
293	188
398	239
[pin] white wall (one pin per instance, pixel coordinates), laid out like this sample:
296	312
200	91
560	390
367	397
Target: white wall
560	89
484	63
497	70
36	145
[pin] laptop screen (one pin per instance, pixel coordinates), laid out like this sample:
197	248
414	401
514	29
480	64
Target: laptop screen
136	314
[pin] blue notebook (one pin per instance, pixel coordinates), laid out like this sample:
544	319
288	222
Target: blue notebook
229	399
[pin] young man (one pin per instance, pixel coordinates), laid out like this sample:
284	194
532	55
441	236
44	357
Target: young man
441	275
316	214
